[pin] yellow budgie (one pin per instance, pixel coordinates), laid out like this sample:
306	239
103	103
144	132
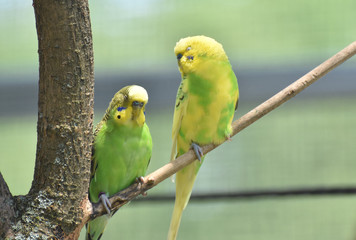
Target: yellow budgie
206	101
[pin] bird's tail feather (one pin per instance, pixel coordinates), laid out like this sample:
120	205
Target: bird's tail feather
184	184
175	222
96	227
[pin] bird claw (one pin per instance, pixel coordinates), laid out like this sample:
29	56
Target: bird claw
140	181
105	201
198	151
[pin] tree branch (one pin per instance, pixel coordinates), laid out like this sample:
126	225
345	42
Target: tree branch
53	207
169	169
7	212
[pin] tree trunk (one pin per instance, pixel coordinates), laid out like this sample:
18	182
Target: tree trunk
54	207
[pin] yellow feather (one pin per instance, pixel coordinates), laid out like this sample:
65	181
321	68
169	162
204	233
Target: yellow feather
204	109
184	185
180	110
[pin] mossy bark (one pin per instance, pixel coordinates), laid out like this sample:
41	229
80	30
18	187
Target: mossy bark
53	209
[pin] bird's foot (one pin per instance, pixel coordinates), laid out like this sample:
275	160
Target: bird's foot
105	201
198	151
228	138
140	181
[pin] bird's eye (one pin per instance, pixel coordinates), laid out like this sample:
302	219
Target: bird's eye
137	104
179	56
189	48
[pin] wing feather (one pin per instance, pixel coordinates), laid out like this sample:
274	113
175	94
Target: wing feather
179	112
94	163
117	100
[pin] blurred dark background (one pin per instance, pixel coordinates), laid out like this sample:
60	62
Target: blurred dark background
307	142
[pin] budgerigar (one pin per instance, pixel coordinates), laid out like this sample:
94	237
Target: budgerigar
206	101
121	151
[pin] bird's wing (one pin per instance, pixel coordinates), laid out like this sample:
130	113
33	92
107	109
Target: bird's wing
94	163
179	112
236	104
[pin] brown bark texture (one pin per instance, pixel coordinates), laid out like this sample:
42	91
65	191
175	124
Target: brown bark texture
54	206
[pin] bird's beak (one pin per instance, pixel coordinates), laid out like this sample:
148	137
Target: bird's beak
138	112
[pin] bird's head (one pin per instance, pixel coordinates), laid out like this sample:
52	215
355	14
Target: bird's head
128	106
191	52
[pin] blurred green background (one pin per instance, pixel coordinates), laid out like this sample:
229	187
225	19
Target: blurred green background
307	142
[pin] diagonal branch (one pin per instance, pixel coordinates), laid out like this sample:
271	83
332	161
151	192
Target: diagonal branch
169	169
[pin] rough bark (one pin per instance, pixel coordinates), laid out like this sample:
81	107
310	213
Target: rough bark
53	209
7	212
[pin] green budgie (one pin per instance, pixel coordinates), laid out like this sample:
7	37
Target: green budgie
121	151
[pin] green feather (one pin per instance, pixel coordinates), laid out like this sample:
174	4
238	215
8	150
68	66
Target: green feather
122	150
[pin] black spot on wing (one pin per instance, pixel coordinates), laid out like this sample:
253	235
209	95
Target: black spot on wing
89	237
94	166
180	94
149	162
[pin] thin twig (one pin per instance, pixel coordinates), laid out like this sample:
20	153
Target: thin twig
169	169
